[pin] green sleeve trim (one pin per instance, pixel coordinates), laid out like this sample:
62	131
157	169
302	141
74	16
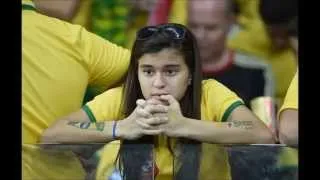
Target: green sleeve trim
28	7
230	109
89	113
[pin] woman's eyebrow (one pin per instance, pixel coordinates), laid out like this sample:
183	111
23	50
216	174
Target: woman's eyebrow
172	66
146	66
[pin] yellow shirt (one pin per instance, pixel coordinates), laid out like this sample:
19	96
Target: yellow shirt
59	61
291	99
217	102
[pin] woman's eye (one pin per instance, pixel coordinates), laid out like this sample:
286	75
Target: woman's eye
148	72
171	72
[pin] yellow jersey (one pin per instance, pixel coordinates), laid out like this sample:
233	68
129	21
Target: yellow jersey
217	102
59	61
291	99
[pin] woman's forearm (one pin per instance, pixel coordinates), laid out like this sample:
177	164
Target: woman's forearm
288	130
73	132
243	132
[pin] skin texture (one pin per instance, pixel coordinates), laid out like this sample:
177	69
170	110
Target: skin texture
288	128
163	73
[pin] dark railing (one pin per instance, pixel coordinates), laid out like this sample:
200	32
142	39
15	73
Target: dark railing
220	162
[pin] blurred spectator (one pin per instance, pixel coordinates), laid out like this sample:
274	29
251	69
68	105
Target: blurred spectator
267	40
276	15
59	61
250	78
249	35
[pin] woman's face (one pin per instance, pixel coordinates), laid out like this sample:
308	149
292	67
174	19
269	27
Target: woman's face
163	72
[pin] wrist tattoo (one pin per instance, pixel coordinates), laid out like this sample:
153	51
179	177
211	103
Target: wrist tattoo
99	126
241	124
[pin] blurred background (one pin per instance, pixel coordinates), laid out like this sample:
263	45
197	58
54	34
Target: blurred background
118	21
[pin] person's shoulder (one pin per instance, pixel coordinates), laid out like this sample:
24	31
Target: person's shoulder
113	95
116	91
250	61
208	82
51	25
210	85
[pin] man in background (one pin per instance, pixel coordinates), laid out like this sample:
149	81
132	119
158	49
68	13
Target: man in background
245	74
59	61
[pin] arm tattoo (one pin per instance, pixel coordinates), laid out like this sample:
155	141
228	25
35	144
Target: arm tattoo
99	126
241	124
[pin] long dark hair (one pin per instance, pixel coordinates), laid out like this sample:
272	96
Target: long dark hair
134	154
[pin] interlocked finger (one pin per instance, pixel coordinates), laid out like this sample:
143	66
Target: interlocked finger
156	120
156	108
143	113
145	125
141	103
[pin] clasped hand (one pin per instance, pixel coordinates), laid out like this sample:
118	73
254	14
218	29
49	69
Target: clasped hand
161	115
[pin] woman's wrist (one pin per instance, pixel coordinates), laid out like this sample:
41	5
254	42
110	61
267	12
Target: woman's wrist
114	128
117	129
181	131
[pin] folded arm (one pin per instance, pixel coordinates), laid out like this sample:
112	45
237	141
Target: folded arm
241	127
76	129
77	133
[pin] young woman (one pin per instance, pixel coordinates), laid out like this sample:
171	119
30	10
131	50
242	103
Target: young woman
163	112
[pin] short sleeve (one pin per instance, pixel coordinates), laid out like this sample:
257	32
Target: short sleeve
218	101
106	62
106	106
291	99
